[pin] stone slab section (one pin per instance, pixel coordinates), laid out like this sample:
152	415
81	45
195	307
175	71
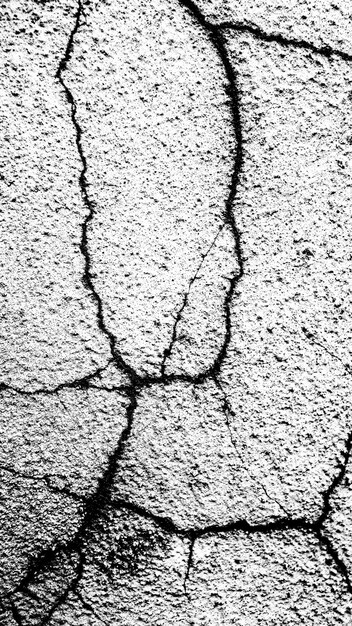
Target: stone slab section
265	579
183	462
32	519
65	437
319	22
158	138
134	574
285	374
48	327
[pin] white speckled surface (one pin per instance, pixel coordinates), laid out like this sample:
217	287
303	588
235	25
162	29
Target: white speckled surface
176	329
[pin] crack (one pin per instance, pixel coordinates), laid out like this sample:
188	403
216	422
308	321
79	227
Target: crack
16	615
46	479
324	50
333	553
342	468
83	382
227	410
189	564
69	589
167	351
314	341
88	607
96	504
84	247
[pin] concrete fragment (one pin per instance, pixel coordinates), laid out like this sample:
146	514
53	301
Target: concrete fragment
65	437
266	579
182	461
134	574
284	374
48	327
157	136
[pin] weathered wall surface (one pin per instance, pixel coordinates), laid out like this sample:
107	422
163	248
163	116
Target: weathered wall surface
176	323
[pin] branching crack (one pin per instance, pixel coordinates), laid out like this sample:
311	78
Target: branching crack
84	247
95	505
83	382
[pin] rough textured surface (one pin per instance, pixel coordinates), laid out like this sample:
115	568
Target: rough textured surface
156	132
287	574
48	328
200	477
284	373
324	23
176	335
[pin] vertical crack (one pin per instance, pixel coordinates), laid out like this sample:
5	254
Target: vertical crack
189	562
84	246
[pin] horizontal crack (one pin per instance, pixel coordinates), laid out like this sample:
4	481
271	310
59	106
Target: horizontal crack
324	50
46	478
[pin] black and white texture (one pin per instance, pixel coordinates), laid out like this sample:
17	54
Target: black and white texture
175	231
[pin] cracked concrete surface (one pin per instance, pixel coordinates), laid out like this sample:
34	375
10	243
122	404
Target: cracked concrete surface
176	337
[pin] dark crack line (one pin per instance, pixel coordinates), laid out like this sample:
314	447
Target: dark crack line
88	606
46	479
189	564
84	246
16	615
333	553
288	42
79	383
168	350
340	475
315	342
228	411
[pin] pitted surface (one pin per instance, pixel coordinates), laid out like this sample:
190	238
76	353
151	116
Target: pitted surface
324	24
175	423
156	132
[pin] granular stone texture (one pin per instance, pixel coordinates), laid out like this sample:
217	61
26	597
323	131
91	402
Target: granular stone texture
288	575
175	423
48	328
324	24
284	373
200	477
156	132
